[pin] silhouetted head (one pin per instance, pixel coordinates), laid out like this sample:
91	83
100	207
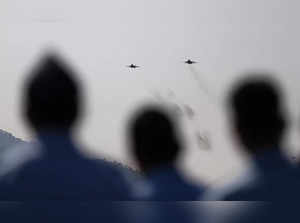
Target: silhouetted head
154	138
257	114
52	95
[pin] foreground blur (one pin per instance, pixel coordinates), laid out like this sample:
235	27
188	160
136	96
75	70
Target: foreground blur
51	180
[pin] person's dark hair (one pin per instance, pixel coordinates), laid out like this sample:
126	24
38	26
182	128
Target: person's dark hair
154	138
51	95
257	113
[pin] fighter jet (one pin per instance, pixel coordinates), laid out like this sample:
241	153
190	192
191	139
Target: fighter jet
189	61
133	66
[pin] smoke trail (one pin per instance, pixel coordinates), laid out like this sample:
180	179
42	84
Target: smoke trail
186	111
203	140
203	87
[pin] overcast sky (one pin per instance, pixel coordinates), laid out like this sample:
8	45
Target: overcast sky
101	37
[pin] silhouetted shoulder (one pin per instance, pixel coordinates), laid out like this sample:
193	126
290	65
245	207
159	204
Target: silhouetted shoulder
168	185
15	157
68	179
280	186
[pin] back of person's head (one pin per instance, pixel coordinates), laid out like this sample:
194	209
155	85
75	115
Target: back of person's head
154	137
52	95
257	113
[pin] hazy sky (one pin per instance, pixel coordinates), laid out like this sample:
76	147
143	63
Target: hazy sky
101	37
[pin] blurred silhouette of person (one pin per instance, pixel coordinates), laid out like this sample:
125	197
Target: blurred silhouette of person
58	171
155	143
259	125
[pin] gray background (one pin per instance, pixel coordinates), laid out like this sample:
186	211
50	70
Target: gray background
101	37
